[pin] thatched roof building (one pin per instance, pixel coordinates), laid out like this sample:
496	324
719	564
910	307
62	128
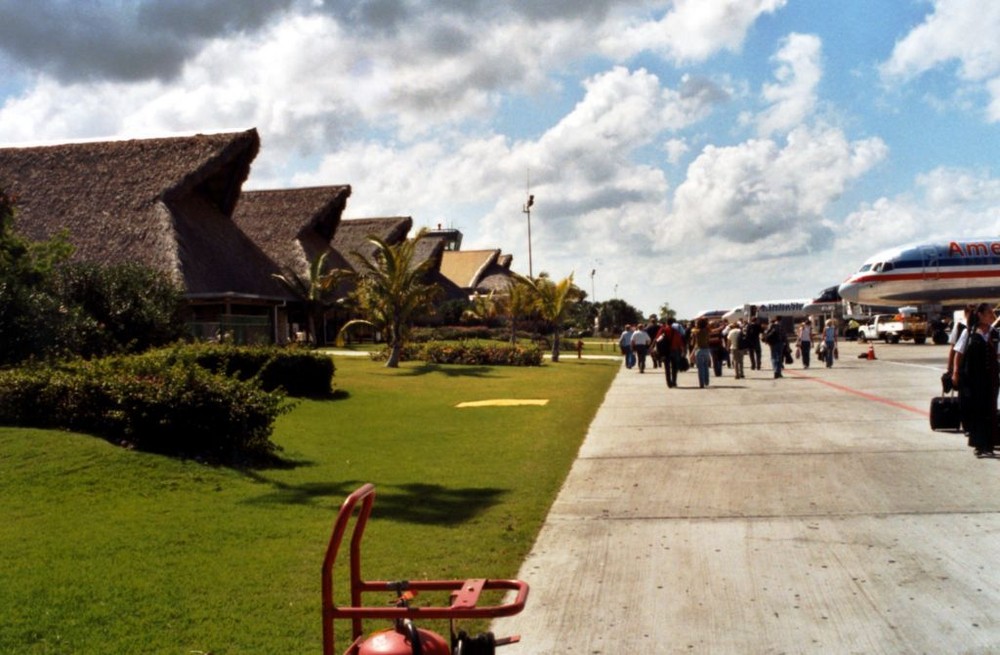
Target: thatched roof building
477	271
294	226
352	236
176	205
166	203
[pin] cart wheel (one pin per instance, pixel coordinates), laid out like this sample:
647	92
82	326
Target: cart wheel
482	644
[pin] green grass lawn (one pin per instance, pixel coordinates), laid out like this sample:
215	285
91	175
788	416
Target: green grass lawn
106	550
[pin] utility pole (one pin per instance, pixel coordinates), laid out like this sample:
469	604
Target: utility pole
527	210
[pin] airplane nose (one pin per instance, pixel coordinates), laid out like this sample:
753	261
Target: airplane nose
849	291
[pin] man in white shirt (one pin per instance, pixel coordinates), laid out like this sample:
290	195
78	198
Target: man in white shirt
640	346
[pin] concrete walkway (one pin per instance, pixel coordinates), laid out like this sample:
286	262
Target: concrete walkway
813	514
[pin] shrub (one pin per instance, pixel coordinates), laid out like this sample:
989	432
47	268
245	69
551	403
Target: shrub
136	307
469	352
490	353
408	353
459	333
178	409
297	371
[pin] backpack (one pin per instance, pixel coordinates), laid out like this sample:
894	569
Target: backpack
744	340
771	337
663	340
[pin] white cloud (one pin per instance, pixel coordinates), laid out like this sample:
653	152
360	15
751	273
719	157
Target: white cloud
586	185
692	30
766	198
946	203
676	149
793	97
956	31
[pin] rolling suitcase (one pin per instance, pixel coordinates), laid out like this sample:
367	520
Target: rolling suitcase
946	413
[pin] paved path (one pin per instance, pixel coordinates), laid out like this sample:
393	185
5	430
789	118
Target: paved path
813	514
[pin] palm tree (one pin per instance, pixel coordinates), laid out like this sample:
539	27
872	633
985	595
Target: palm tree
314	292
484	309
518	303
391	290
552	301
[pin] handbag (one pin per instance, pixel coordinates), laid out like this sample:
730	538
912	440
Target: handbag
684	364
788	355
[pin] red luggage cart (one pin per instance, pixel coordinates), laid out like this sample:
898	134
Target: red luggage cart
404	638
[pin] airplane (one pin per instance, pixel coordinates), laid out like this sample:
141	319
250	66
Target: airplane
710	314
933	275
826	301
769	308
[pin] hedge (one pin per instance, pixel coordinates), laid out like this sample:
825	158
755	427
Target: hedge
468	352
177	409
296	371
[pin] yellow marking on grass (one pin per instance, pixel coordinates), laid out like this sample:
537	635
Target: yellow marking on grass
504	402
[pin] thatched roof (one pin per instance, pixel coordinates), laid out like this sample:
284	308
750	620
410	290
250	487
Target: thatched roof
352	235
497	275
466	267
477	270
293	226
166	203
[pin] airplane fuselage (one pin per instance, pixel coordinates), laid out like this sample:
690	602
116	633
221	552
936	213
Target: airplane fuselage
954	272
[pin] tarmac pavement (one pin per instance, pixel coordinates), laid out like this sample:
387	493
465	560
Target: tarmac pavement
817	513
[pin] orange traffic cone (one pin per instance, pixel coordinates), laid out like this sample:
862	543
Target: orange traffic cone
871	352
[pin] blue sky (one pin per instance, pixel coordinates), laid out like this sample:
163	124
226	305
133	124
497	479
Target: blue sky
702	153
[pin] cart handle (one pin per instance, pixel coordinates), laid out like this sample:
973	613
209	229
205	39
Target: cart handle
464	597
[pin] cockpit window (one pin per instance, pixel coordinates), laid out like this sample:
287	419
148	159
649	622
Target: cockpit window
887	267
864	268
878	267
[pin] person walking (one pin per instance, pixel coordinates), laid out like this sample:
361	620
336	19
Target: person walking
977	378
640	346
776	341
753	332
805	342
717	347
625	343
736	342
669	343
830	341
702	354
652	329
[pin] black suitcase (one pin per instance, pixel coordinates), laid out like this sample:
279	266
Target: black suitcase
946	413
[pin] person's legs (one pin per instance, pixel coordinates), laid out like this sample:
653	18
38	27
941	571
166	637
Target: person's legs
703	358
777	359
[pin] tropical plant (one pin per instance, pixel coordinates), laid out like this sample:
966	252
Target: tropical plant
484	309
315	292
34	321
391	290
518	303
134	307
552	301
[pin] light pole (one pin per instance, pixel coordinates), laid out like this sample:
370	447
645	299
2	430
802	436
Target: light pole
527	210
593	294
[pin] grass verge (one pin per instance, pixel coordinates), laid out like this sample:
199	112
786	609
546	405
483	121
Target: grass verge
105	550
